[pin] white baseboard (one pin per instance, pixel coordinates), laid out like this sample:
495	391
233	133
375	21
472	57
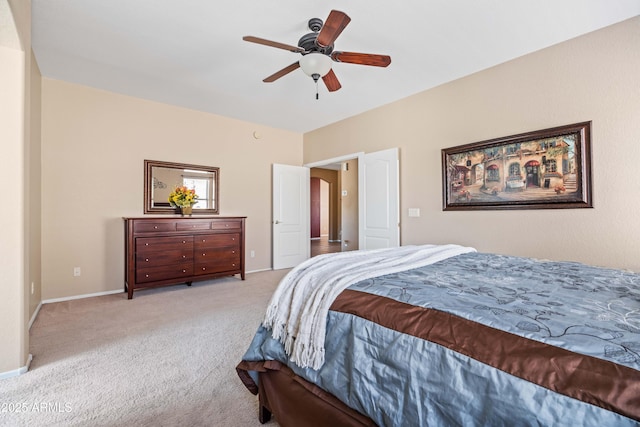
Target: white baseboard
258	271
97	294
16	372
35	314
47	301
25	368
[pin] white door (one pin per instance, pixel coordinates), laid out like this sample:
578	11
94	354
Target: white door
379	217
291	235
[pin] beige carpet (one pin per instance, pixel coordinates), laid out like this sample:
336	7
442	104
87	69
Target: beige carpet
165	358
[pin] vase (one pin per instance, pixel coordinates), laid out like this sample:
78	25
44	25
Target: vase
186	210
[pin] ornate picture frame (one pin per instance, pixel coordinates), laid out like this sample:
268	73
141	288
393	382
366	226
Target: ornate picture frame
543	169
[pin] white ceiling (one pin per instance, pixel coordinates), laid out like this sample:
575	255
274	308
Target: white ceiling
190	53
8	32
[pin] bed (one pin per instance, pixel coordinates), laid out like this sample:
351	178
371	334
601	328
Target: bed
450	337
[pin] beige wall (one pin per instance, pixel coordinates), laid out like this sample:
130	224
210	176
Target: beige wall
93	151
349	204
11	251
19	134
594	77
34	184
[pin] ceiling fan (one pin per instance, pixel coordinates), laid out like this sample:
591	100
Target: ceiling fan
318	54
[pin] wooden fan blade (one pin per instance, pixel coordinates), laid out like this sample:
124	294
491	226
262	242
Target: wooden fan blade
266	42
286	70
331	81
333	26
361	58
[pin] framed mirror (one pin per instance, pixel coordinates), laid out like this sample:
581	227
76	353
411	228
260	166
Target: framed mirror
161	178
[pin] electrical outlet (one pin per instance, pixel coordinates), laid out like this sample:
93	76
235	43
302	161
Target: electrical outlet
76	271
252	254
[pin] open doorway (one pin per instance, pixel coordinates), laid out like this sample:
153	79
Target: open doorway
324	209
377	222
334	193
321	243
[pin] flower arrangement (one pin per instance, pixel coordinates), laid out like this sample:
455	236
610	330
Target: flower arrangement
559	189
182	197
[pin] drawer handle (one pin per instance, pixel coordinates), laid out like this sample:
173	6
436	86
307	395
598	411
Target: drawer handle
204	254
146	244
146	275
146	259
233	252
226	225
184	241
203	240
233	239
184	271
233	265
194	226
155	227
204	268
184	256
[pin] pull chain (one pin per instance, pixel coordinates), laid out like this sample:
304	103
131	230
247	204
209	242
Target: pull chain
315	78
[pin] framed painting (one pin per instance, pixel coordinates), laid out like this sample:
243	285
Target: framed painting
544	169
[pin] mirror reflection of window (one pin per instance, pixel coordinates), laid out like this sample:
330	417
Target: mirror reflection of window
202	182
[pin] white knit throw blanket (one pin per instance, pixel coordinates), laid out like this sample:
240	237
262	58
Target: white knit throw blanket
297	313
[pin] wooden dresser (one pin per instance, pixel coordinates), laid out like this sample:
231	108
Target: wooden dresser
165	251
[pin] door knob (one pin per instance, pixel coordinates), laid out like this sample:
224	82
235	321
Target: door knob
277	222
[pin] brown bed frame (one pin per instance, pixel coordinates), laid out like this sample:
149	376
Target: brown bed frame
294	401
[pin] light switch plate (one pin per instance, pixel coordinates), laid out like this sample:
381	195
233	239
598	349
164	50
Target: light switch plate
414	212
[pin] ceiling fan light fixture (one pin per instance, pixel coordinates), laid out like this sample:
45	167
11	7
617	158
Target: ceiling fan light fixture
318	54
315	63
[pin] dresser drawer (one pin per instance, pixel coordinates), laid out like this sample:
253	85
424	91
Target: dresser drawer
145	245
164	272
193	225
153	226
217	241
219	263
205	256
230	224
153	258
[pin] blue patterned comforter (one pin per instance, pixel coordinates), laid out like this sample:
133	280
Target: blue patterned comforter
402	379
